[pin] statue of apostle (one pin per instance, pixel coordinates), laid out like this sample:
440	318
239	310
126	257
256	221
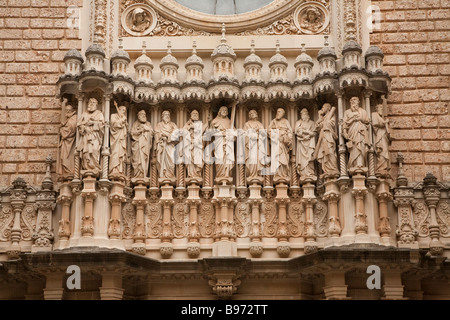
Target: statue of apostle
254	147
285	142
223	146
67	130
91	127
382	141
193	145
355	129
141	145
165	147
305	131
118	130
326	145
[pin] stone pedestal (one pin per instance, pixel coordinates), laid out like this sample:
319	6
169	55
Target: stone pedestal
335	287
282	199
384	227
89	193
139	201
193	201
359	192
332	196
116	197
309	200
111	288
223	199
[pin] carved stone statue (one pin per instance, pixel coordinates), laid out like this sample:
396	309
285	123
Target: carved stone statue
68	132
193	145
253	147
118	130
285	141
142	137
326	144
312	20
306	143
222	149
140	21
91	127
356	130
165	147
382	141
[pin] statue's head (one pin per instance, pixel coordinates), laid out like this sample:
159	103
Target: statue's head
280	113
304	114
354	103
166	116
380	109
69	109
253	115
312	15
142	116
92	105
326	107
223	112
122	110
138	16
195	116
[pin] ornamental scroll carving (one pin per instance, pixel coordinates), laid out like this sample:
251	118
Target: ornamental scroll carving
139	19
443	217
206	219
154	220
270	225
28	222
320	219
242	221
296	219
421	217
6	222
129	220
180	220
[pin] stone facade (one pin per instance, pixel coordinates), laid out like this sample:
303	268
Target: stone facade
90	116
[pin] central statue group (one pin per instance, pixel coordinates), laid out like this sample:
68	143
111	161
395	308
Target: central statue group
309	141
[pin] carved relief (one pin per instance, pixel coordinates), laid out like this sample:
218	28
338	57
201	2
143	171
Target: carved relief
6	222
421	217
154	220
296	219
28	223
279	27
129	220
312	18
242	222
320	219
270	225
180	220
206	220
443	217
139	20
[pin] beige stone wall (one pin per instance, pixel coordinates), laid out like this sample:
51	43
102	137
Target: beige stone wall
415	37
33	40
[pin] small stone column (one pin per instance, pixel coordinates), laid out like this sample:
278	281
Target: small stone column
432	194
18	195
309	200
167	202
193	201
116	197
384	227
89	194
282	199
223	200
139	201
65	199
359	192
255	200
111	288
342	148
332	196
393	288
106	150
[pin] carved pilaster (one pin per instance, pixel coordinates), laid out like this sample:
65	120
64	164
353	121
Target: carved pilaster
432	194
332	196
139	201
89	194
359	192
384	196
308	201
18	195
117	197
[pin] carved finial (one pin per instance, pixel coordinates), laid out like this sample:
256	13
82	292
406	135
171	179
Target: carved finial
224	39
169	47
401	179
303	48
47	183
120	43
194	47
277	46
252	50
326	41
144	47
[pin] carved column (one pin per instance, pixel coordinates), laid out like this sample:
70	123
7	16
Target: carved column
342	148
371	180
335	287
77	162
193	201
89	194
106	150
384	227
332	196
43	236
139	201
54	289
359	192
116	197
256	247
225	246
166	248
65	199
404	196
432	194
309	200
282	199
393	288
18	195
